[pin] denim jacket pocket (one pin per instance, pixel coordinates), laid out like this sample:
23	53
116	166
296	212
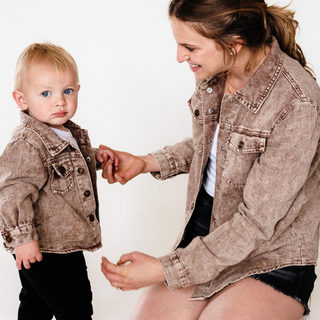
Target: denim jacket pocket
62	178
242	152
241	143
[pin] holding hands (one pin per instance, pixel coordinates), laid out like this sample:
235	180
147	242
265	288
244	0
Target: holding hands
107	158
126	166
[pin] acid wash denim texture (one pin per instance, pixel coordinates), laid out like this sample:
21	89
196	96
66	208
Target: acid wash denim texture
48	190
266	209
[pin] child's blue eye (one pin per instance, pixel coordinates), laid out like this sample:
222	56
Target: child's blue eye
68	91
46	94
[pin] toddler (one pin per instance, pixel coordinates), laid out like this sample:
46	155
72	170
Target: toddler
48	192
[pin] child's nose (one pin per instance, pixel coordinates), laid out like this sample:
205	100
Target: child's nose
60	101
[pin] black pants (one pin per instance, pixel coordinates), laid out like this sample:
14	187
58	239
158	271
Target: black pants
199	223
59	286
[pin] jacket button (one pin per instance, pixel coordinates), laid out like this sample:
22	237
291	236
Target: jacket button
91	217
9	239
62	169
222	148
210	141
196	113
209	90
211	111
88	159
241	144
192	206
87	193
81	170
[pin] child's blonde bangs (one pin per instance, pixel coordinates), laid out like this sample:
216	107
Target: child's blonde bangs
58	58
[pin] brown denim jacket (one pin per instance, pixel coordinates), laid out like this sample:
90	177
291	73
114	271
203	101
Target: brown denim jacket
266	209
48	190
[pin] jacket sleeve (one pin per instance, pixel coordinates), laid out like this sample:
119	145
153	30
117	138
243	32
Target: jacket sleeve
22	175
174	160
276	178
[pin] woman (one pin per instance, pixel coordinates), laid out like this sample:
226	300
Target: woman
251	235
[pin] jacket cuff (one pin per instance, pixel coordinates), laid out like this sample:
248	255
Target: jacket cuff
174	272
166	163
18	236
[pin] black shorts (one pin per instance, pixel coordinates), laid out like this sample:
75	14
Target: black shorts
294	281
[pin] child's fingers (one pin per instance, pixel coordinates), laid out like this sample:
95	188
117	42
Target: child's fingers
26	264
39	256
18	263
100	156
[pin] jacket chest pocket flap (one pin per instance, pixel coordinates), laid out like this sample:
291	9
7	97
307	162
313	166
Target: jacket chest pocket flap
62	177
241	143
243	151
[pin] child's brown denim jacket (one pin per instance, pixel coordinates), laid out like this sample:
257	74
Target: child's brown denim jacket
48	190
266	208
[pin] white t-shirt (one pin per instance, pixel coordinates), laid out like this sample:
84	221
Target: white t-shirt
67	136
209	180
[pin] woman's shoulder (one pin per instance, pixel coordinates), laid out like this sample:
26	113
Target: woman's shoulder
301	81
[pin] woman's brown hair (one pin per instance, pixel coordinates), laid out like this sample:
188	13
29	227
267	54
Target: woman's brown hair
251	21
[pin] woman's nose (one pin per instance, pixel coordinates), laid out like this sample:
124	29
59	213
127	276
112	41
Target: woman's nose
182	54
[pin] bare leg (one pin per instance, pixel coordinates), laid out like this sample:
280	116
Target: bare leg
250	299
157	302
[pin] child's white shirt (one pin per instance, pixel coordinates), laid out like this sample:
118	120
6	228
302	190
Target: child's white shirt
67	136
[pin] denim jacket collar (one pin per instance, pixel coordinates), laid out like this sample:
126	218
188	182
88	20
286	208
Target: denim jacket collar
53	143
254	93
256	90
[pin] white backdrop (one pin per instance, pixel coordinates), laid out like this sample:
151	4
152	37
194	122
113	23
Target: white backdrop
133	97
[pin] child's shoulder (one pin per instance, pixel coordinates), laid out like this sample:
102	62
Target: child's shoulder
23	136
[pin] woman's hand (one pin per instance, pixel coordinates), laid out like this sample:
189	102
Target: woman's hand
133	271
129	166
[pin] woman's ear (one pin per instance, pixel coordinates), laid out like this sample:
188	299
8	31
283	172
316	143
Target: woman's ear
237	47
19	98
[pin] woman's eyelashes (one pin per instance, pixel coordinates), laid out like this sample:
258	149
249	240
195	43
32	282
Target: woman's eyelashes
190	49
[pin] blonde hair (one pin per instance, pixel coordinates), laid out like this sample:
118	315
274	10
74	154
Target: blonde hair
252	21
58	58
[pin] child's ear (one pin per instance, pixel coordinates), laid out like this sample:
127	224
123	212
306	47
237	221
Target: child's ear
78	87
19	98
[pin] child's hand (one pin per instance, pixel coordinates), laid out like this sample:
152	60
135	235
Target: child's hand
27	253
107	157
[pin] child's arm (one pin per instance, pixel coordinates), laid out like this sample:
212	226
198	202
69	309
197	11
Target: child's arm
107	156
27	253
22	175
